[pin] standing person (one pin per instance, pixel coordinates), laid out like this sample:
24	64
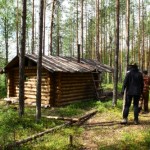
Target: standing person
145	95
133	84
124	93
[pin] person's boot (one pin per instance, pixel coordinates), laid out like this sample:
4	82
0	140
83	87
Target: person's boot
136	122
124	121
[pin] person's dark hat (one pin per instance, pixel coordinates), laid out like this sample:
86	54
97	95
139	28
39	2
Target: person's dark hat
133	65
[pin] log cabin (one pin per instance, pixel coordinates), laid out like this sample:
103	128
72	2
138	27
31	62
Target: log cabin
64	79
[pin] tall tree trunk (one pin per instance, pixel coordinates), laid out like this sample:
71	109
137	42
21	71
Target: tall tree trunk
139	37
82	27
39	64
143	50
32	45
115	91
51	27
57	53
77	24
17	28
149	54
6	38
101	35
22	59
133	35
127	31
97	30
44	21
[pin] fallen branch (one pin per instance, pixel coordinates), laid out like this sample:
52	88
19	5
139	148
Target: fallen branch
33	137
62	118
85	118
75	121
88	115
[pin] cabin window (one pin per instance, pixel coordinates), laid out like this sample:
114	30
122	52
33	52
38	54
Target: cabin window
26	78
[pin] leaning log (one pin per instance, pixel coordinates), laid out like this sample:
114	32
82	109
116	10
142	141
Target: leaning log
88	115
62	118
33	137
74	121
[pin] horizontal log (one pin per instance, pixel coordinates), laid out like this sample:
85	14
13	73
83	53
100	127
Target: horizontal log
75	78
33	137
77	94
34	93
33	86
33	74
61	118
75	91
76	84
61	103
33	102
75	74
31	78
75	98
16	82
34	96
31	69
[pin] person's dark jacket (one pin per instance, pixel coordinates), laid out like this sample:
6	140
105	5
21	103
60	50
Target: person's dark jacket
133	82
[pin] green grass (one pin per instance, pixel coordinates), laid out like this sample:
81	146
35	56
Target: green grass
23	127
111	136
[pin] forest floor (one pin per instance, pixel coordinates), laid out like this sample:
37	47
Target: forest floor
105	132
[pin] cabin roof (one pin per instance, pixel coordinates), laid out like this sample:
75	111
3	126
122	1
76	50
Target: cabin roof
63	64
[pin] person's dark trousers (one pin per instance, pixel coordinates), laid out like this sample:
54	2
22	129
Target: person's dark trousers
145	100
128	104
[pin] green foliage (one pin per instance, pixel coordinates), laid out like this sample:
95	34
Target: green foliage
147	138
8	124
14	127
2	86
20	128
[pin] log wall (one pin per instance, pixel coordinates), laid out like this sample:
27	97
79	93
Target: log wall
74	87
30	85
57	88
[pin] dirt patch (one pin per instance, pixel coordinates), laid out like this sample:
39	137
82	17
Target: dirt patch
104	131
